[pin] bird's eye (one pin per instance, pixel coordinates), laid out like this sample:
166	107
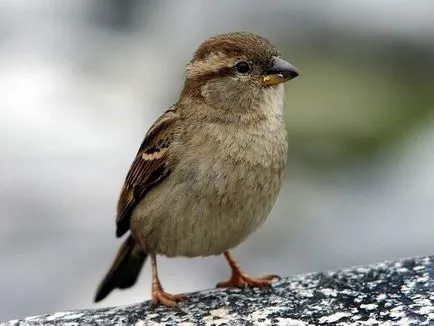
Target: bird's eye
242	67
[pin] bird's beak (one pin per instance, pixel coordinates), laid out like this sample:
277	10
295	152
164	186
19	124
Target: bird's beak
279	72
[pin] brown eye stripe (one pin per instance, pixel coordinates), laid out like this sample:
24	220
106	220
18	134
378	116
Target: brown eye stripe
212	63
193	86
224	71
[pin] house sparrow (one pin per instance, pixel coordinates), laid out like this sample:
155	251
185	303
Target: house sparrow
210	168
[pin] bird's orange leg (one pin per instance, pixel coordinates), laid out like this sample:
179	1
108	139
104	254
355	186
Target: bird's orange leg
240	279
158	294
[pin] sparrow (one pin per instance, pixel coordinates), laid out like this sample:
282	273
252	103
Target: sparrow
209	170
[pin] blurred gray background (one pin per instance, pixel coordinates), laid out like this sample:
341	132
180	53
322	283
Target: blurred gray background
81	81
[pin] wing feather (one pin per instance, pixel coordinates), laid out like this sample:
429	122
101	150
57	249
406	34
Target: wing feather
148	168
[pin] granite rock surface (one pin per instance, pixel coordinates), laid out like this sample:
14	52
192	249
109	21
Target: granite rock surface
389	293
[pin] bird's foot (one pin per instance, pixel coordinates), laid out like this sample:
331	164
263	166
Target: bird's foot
159	296
166	299
241	280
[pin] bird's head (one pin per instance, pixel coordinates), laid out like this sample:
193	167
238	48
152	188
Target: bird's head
236	71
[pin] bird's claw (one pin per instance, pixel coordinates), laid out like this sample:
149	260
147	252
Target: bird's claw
167	299
240	280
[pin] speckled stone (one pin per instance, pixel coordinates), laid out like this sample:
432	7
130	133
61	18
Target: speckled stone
390	293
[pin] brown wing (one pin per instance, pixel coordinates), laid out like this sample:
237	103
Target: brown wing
149	167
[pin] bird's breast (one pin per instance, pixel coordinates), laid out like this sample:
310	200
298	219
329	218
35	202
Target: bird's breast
222	188
227	197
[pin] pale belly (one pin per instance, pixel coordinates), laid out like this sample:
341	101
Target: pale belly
206	212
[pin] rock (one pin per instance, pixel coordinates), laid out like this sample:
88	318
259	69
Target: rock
389	293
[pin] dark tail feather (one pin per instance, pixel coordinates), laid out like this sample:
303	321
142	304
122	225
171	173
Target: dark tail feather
124	271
